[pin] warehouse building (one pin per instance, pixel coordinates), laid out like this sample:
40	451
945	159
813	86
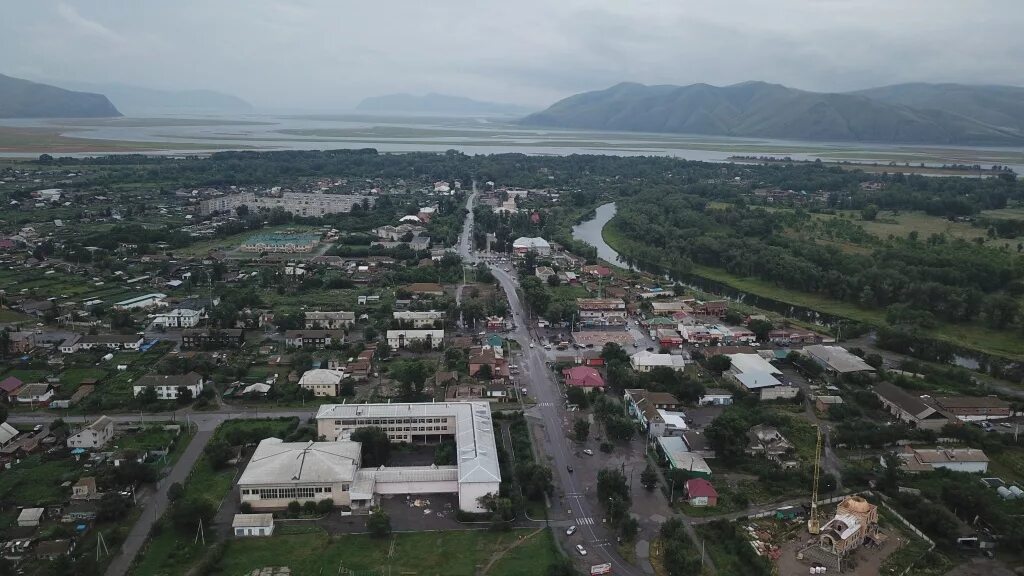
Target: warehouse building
476	473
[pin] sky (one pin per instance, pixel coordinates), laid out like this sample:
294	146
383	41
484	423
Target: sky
329	54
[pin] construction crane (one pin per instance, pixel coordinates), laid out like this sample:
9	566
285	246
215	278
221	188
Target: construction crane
813	524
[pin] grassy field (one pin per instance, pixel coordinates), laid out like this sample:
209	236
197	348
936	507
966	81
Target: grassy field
421	554
902	223
33	481
26	376
7	315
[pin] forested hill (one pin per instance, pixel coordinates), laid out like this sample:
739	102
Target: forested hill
23	99
758	109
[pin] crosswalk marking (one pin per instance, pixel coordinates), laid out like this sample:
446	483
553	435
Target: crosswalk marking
584	521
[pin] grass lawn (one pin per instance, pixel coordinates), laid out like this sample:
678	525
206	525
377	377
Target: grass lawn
35	482
26	376
74	376
150	438
7	315
441	553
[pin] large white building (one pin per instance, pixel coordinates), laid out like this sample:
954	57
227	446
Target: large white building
322	382
524	244
476	472
168	386
178	318
298	203
401	338
419	319
280	472
757	375
330	320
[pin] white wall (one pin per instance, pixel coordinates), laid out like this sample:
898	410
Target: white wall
439	487
470	492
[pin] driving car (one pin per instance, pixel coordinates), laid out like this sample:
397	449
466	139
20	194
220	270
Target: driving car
588	451
569	468
570	530
581	549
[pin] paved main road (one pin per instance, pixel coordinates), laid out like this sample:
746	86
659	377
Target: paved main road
600	542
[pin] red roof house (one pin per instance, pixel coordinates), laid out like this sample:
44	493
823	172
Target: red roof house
700	492
583	377
10	385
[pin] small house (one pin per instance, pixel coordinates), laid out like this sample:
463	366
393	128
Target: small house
253	524
30	516
700	492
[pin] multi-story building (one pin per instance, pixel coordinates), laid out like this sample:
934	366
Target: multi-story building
322	382
93	436
330	320
212	338
401	338
418	320
167	386
297	203
602	311
178	318
657	413
313	338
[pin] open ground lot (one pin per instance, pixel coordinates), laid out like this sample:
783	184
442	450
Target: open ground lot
512	553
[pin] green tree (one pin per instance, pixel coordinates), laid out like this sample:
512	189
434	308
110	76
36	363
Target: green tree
577	396
869	212
187	513
612	352
378	523
217	453
375	445
649	477
718	363
535	479
760	328
175	491
294	509
581	428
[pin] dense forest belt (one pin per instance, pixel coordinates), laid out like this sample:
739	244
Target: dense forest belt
990	348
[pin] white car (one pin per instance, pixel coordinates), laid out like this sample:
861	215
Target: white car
531	344
581	549
588	452
570	530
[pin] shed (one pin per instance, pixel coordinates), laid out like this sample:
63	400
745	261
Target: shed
30	516
253	524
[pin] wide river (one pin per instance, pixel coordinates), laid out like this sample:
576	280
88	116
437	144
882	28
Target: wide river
471	135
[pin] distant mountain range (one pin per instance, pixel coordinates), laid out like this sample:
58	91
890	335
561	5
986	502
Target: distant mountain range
903	113
436	104
23	99
136	100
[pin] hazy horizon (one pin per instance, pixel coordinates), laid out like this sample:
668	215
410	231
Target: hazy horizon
314	55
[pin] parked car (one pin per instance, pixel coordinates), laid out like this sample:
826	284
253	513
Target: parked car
588	452
570	530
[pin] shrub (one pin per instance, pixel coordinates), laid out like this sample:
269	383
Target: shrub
324	506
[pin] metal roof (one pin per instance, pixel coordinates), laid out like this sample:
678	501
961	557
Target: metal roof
276	461
838	359
474	433
252	520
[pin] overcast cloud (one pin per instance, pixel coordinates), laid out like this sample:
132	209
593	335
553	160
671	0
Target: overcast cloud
328	54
